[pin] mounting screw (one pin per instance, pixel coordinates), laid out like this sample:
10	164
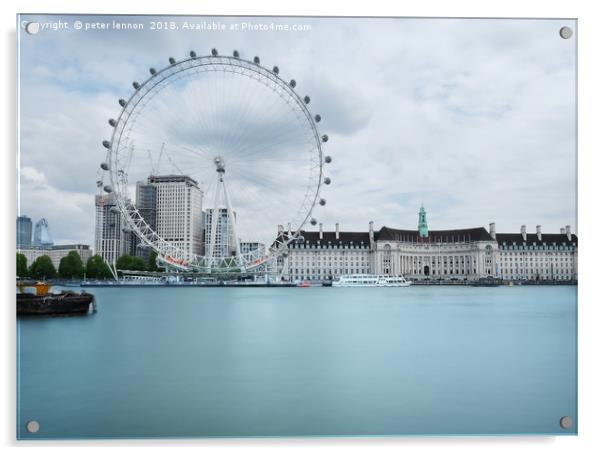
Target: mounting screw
566	32
32	426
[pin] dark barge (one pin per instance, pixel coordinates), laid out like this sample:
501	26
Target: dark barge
45	303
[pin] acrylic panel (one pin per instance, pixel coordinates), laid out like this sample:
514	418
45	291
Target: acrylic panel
295	226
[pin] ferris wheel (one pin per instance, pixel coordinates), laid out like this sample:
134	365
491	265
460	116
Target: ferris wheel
234	158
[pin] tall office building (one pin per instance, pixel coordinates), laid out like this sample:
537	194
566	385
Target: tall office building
108	235
225	243
178	205
23	232
146	203
41	234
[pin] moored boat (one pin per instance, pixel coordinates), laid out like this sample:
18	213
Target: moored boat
43	302
365	280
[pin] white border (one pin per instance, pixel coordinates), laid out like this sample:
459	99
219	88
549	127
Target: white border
590	149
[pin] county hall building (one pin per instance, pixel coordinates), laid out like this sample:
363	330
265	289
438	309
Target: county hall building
448	255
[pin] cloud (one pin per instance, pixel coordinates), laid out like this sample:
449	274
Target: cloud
475	118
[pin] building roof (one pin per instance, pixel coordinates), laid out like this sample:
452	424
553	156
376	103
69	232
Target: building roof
548	239
443	236
477	234
329	237
172	178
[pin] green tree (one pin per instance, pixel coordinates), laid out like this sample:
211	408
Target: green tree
42	268
21	265
96	267
127	262
71	266
152	262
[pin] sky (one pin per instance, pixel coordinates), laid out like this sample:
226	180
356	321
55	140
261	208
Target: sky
473	118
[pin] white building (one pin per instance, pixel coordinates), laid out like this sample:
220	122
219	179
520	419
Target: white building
423	254
56	253
538	257
179	216
327	255
225	243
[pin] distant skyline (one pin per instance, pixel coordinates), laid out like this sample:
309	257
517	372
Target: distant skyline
473	118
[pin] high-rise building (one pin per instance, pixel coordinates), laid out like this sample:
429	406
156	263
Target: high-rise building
108	236
179	216
146	203
41	234
225	243
23	232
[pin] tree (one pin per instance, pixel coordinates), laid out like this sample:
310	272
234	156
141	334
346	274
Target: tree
127	262
42	268
97	268
21	265
71	266
152	262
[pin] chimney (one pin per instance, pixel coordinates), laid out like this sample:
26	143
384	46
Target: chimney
562	231
492	230
289	229
371	231
321	233
523	231
538	230
336	229
568	231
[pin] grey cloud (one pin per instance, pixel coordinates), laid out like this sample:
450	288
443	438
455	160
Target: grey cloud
474	118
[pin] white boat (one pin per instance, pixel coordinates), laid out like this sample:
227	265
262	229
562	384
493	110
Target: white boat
364	280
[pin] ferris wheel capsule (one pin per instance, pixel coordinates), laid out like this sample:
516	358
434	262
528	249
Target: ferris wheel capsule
122	102
256	60
106	144
317	118
153	71
327	181
192	54
327	159
172	61
293	83
235	54
322	202
325	138
275	70
306	100
313	221
112	122
136	85
108	189
104	166
214	52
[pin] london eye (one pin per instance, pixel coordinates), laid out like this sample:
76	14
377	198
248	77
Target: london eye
243	135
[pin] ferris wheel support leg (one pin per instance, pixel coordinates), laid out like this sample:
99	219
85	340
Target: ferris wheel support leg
232	223
213	238
284	270
113	268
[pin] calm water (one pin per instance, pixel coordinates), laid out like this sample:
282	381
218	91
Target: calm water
317	361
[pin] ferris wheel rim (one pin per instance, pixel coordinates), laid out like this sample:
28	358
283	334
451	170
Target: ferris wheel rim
166	74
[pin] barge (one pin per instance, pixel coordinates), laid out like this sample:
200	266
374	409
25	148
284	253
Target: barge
43	302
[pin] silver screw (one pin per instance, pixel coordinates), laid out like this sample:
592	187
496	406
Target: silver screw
566	32
32	27
32	426
566	422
